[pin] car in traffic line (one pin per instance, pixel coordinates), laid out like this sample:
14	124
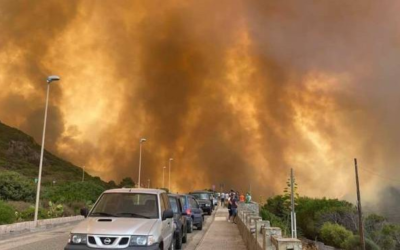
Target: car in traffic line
179	220
204	199
126	219
194	213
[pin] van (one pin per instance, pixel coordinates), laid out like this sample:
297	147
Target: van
126	219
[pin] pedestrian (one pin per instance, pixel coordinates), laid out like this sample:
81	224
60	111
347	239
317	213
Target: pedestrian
241	198
230	206
222	200
233	209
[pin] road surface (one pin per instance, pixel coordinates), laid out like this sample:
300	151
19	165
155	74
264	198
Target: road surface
56	238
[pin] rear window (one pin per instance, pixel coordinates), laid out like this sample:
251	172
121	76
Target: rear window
202	196
183	200
193	203
174	204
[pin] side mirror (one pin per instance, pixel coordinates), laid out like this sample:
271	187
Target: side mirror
168	214
84	212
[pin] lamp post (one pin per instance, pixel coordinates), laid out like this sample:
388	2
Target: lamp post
140	158
169	174
50	79
163	176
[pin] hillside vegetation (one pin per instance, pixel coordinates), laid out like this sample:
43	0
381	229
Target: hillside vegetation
20	153
19	167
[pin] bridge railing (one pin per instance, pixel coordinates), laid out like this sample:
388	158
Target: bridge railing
258	234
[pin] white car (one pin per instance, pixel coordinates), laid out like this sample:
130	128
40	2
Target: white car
126	219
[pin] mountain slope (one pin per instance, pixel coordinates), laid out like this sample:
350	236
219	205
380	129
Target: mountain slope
20	153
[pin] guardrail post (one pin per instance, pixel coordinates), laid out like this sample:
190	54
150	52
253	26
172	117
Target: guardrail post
268	233
260	224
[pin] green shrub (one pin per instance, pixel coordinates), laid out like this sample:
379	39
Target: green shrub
74	192
16	187
19	205
29	214
55	210
275	221
353	243
7	215
334	234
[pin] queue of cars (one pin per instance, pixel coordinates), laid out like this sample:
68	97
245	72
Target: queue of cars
145	219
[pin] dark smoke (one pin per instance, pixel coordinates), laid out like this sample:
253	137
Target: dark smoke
237	92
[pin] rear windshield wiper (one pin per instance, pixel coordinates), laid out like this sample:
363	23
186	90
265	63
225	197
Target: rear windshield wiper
134	215
103	214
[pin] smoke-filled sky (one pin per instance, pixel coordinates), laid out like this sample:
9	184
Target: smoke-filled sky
236	91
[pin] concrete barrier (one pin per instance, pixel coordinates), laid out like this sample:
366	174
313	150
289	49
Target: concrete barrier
29	225
258	234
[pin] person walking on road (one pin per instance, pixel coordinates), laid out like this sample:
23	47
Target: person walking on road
222	200
233	203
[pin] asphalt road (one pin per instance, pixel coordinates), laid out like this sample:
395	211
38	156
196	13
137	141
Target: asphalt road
56	238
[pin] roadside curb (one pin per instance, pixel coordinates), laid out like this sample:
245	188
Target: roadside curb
208	229
42	224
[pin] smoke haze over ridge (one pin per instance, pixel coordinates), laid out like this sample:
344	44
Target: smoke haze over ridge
237	92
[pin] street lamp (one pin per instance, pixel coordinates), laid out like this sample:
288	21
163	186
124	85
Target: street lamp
143	140
163	176
50	79
169	174
83	174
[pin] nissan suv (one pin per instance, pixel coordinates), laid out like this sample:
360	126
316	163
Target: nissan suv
126	219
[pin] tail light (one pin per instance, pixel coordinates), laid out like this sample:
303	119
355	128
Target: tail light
188	211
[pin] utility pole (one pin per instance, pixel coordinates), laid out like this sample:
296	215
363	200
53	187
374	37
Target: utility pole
143	140
292	213
360	222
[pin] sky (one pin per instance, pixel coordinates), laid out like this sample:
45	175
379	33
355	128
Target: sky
236	92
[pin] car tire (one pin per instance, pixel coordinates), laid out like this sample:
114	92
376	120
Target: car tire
190	227
184	238
178	243
200	226
209	212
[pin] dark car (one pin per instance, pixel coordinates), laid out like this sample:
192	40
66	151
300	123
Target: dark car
179	219
194	214
204	200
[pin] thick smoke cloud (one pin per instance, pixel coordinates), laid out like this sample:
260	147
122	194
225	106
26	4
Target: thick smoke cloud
237	92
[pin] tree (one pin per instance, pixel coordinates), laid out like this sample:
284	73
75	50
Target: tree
287	194
111	185
313	213
384	234
127	182
276	205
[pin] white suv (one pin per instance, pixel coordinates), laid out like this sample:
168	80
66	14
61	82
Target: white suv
126	219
